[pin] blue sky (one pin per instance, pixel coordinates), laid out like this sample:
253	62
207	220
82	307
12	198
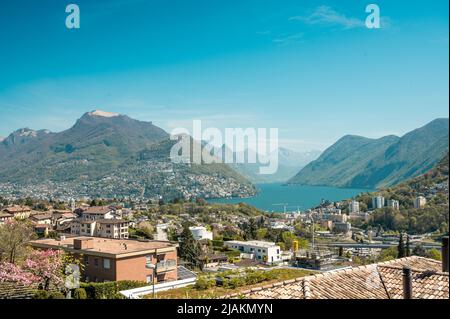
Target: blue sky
309	68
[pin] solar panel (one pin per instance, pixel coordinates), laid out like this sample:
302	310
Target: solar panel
184	273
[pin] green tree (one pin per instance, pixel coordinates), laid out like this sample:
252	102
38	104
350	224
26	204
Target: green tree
288	239
388	254
261	233
408	247
434	254
14	236
250	229
401	247
189	249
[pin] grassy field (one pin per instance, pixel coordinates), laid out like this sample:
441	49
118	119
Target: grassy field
191	292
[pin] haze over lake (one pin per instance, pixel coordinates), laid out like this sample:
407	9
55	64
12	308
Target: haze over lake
272	197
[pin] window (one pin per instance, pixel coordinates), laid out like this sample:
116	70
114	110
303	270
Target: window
106	263
86	260
148	261
96	262
259	250
149	278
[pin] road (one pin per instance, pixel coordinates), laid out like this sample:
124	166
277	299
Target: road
384	245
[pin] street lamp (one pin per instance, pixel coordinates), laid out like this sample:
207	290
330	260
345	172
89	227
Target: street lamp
155	273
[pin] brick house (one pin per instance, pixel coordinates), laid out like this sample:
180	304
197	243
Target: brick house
107	259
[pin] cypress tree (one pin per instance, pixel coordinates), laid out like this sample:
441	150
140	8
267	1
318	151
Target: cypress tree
401	247
189	249
408	247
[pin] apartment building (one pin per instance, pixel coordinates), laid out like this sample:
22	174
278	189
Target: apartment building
107	259
100	212
394	204
420	202
378	202
102	221
353	207
106	228
262	251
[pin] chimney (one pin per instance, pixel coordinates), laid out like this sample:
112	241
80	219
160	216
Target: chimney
407	283
83	243
445	254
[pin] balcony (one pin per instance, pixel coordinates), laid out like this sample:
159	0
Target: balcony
166	265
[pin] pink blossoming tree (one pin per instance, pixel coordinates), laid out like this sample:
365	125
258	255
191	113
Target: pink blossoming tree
42	267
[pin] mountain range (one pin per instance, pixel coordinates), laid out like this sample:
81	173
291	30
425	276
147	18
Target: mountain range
360	162
289	163
107	154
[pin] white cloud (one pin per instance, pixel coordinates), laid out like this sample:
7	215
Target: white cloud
292	38
325	15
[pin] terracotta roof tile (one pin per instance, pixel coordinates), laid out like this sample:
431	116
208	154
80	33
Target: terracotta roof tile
376	281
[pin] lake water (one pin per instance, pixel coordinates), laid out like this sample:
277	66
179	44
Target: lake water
272	197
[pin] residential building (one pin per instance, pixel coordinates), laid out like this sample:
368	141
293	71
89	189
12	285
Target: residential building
394	204
4	217
327	224
41	219
261	251
200	232
99	212
353	207
339	227
114	260
111	228
378	202
420	202
19	212
105	228
62	219
360	216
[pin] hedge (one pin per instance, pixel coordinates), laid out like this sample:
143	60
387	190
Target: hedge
79	293
110	289
44	294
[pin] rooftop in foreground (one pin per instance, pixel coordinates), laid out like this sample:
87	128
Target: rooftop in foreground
376	281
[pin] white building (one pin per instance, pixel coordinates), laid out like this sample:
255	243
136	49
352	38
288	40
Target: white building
100	212
200	232
262	251
378	202
100	222
353	207
105	228
420	202
394	204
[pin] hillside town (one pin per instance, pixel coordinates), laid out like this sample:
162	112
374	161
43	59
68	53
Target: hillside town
198	246
144	181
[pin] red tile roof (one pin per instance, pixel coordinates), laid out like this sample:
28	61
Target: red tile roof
377	281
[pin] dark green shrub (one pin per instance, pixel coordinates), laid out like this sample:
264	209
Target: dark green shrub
79	293
109	290
41	294
204	283
56	295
